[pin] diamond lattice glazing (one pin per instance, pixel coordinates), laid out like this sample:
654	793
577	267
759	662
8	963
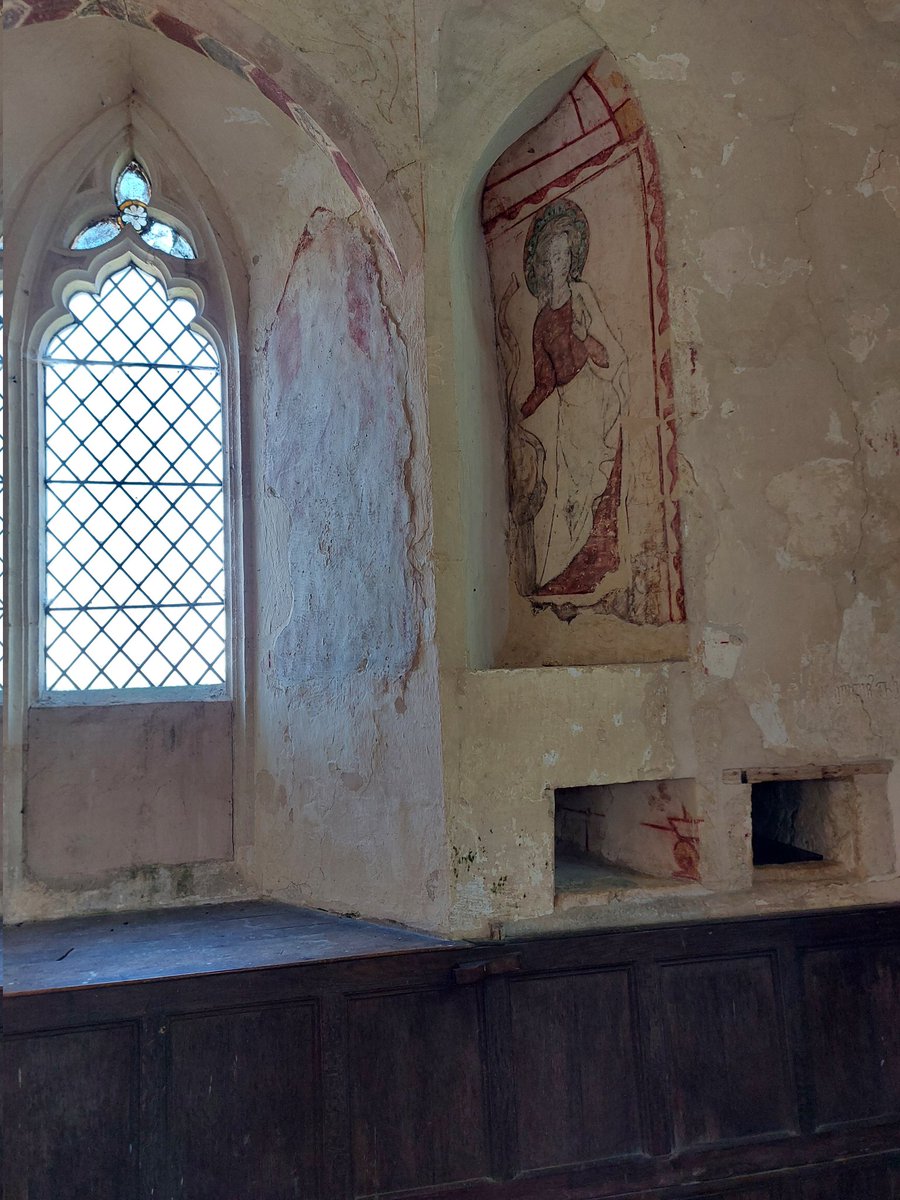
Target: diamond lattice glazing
135	574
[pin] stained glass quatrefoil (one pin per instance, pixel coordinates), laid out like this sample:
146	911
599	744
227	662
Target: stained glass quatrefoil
132	195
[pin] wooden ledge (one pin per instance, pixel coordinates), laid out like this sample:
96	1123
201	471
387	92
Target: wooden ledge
133	947
795	774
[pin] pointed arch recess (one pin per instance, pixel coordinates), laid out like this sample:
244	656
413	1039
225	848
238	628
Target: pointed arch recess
590	164
19	14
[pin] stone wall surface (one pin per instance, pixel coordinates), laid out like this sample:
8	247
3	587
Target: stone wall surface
776	130
393	757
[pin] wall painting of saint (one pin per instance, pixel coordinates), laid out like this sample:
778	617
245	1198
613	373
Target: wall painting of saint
573	221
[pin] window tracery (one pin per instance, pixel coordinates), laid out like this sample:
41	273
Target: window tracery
132	194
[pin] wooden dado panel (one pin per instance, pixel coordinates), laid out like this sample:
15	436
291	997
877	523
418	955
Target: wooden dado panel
577	1068
418	1105
731	1060
771	1192
865	1181
70	1115
729	1074
243	1104
854	1031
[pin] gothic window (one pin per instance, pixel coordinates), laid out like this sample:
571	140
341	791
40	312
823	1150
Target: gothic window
134	514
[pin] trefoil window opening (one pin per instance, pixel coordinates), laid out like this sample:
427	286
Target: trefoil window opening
132	195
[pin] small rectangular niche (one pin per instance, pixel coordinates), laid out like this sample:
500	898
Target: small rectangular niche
802	822
829	819
626	835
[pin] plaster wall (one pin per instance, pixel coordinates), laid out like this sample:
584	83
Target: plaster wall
122	804
336	726
348	779
389	767
775	131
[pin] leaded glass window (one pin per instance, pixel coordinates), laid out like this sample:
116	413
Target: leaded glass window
134	491
132	195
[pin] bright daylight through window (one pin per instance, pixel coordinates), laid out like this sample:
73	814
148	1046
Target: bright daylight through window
134	476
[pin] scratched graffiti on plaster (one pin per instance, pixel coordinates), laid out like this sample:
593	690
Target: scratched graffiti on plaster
573	219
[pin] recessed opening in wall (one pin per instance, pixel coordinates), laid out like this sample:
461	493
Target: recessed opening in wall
833	819
800	821
626	835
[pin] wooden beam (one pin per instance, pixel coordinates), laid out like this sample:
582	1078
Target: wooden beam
793	774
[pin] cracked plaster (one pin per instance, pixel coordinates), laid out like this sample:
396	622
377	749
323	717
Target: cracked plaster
777	131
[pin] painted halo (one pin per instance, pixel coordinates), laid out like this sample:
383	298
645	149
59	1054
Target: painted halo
560	216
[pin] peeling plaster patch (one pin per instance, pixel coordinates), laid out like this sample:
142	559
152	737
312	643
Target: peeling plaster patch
244	116
726	260
295	178
575	672
551	758
768	719
595	5
720	652
823	506
666	66
881	174
727	151
787	562
473	902
850	130
737	77
863	326
835	433
617	719
576	728
857	634
881	433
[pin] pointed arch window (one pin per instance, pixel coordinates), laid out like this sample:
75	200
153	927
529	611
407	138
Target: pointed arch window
134	474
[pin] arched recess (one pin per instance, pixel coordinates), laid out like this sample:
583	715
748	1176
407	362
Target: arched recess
501	626
225	36
89	828
512	736
338	798
574	224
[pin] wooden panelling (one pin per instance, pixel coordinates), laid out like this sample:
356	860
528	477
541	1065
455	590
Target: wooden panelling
418	1103
243	1097
770	1191
728	1068
866	1181
668	1063
70	1115
576	1069
854	1031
